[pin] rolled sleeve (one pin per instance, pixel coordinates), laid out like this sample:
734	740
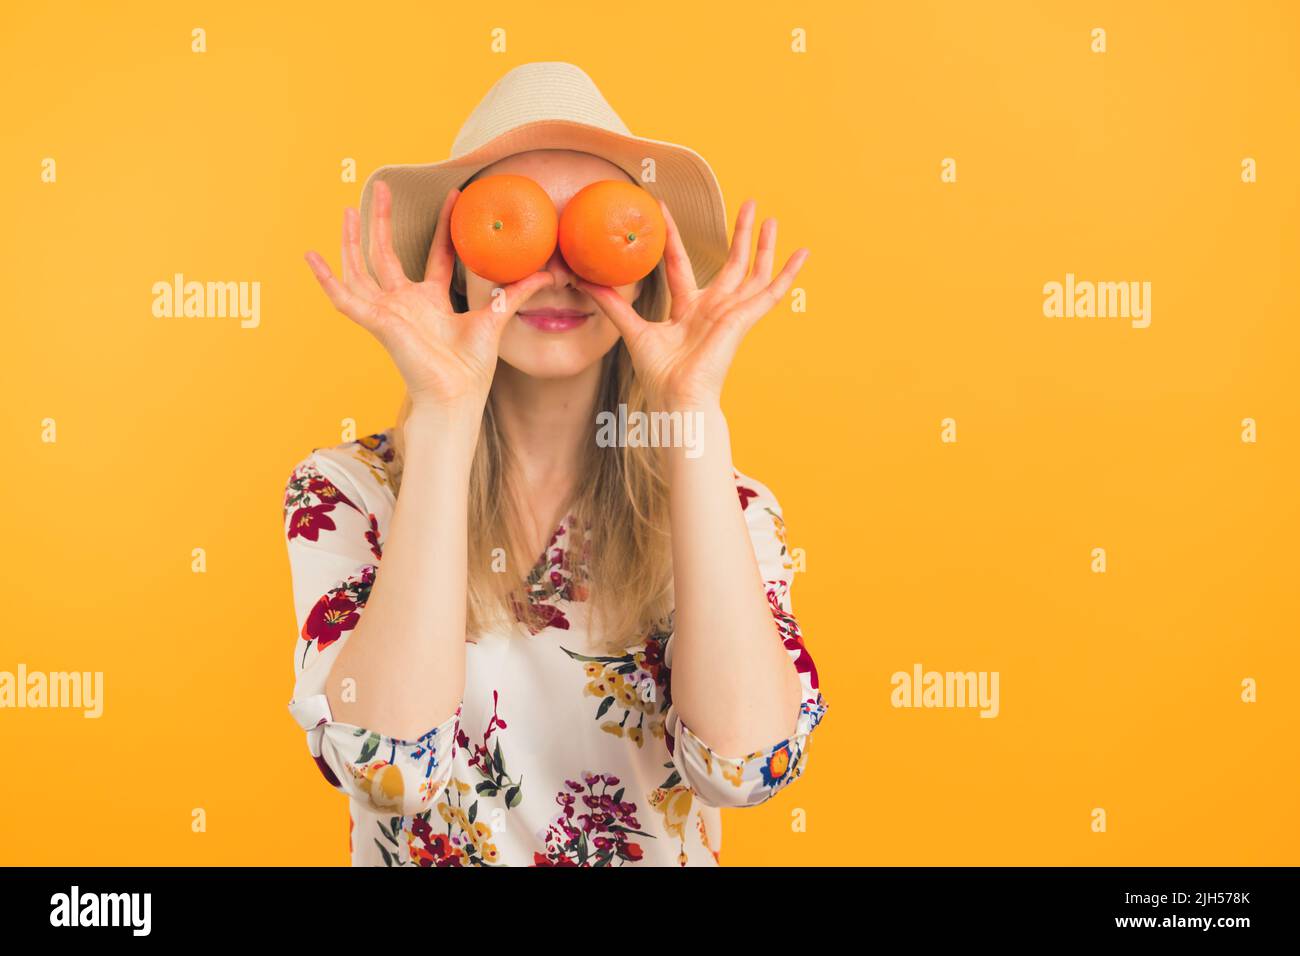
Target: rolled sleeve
746	780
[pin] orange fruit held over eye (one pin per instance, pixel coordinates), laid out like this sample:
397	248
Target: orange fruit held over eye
612	233
503	227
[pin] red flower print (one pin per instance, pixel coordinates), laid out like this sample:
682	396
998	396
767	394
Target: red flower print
433	850
745	495
338	611
489	761
791	637
333	614
552	616
596	838
372	536
539	860
331	777
309	522
538	617
557	576
327	492
308	500
654	656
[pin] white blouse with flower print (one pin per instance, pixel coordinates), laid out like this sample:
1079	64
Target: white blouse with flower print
560	754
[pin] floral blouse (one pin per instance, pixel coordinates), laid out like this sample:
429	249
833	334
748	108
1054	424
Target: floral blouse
559	754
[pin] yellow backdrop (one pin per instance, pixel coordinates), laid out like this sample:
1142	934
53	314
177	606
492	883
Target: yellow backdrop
1120	691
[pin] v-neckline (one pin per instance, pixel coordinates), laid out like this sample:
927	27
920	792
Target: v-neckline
546	562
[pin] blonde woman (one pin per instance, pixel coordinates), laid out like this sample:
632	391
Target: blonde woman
520	644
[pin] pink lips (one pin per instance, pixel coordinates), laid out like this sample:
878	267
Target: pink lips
554	320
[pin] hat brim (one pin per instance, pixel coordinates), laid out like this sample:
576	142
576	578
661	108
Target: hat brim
683	180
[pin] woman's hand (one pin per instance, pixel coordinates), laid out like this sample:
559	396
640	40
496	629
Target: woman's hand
446	357
683	361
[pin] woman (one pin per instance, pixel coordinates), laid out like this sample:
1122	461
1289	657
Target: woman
595	705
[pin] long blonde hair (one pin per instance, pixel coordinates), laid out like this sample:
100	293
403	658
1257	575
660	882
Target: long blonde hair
618	551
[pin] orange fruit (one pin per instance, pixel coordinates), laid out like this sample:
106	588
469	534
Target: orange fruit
503	227
612	233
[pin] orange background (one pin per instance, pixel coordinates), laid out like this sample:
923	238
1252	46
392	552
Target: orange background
1119	691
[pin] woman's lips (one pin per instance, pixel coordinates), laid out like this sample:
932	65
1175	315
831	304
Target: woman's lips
554	320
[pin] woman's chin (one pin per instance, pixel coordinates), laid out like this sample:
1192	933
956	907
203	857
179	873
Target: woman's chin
552	364
544	355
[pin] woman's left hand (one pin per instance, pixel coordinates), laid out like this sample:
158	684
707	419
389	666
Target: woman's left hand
683	360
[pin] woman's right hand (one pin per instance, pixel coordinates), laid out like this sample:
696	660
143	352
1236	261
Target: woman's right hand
447	358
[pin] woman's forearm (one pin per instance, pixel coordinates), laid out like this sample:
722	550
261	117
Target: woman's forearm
732	681
406	656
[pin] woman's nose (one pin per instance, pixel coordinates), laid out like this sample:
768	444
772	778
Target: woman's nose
559	268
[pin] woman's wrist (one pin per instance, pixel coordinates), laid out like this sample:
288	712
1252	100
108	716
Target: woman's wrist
703	403
703	441
449	429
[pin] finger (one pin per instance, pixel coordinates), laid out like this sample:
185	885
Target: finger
762	303
387	266
355	275
766	252
733	270
677	264
354	306
441	261
617	309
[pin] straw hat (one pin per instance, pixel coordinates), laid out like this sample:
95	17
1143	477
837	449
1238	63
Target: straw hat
551	105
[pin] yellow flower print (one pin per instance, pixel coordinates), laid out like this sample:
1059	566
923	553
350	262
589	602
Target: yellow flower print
704	837
382	783
675	805
778	527
673	800
477	848
627	683
368	454
704	754
732	771
428	789
477	833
